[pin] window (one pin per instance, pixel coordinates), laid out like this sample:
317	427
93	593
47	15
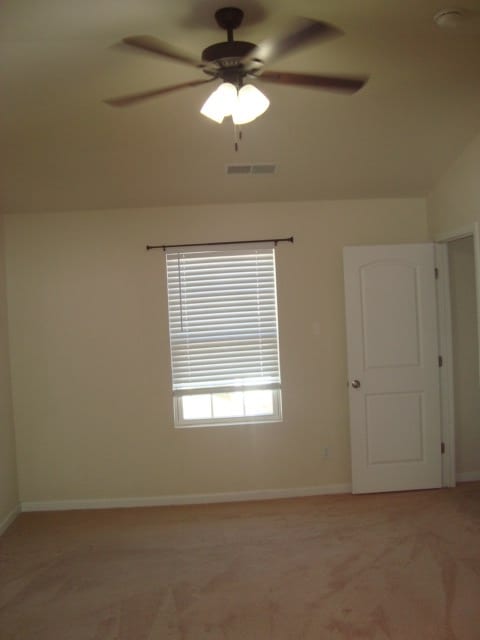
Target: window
223	335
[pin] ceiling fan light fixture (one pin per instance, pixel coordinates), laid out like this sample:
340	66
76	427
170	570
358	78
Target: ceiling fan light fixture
250	104
220	103
244	105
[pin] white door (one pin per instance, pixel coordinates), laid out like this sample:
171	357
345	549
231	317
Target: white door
393	367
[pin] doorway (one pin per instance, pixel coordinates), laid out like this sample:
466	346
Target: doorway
465	358
458	259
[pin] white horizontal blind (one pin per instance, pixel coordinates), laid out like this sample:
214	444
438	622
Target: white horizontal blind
223	319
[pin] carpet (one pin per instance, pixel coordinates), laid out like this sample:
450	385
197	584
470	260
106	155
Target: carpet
379	567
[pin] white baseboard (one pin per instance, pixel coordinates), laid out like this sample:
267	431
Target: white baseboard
9	518
468	476
207	498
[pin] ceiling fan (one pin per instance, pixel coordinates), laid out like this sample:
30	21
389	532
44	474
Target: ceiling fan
236	63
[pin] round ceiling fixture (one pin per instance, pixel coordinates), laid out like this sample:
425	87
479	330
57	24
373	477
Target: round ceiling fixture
449	18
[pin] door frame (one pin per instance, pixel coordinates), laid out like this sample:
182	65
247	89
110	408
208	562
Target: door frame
445	339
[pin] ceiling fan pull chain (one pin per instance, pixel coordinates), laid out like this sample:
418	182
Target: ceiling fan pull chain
237	136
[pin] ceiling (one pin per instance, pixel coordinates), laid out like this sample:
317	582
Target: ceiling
65	149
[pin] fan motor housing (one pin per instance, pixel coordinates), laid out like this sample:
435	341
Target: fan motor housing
223	52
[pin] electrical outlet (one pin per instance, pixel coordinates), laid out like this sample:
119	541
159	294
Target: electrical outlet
326	452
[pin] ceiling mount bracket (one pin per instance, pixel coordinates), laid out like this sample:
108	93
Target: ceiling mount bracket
229	18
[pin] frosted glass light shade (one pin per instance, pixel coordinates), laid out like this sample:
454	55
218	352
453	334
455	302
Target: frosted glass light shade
250	104
244	105
220	103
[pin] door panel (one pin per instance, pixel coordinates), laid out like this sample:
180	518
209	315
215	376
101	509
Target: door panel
394	427
390	323
393	354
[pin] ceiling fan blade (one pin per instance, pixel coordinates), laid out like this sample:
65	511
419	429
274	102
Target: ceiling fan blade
348	84
126	101
304	30
149	43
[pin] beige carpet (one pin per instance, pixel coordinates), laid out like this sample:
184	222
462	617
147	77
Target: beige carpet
377	567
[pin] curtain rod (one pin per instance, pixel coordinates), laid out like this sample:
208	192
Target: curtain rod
212	244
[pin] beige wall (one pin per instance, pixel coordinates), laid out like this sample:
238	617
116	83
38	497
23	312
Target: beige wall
90	365
465	355
455	201
8	471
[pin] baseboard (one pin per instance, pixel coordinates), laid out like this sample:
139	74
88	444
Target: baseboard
468	476
7	521
207	498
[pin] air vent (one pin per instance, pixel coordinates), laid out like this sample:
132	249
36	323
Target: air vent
263	168
238	169
257	169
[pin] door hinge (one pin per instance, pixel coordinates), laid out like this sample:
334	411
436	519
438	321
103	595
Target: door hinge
436	273
440	361
442	447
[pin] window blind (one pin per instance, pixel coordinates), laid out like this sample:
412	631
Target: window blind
223	319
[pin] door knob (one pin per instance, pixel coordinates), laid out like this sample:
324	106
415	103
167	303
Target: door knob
355	384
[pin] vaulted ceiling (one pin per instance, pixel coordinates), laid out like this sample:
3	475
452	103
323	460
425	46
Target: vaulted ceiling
63	148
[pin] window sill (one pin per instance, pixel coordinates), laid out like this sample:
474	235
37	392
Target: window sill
230	422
